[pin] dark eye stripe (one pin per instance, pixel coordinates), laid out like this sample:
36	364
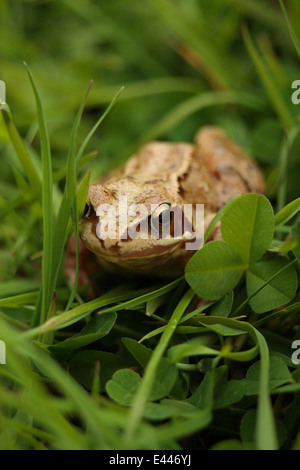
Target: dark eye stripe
87	211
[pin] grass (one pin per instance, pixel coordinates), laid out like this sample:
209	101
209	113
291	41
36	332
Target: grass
139	366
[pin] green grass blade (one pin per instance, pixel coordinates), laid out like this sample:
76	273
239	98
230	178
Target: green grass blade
283	166
266	438
144	390
265	435
47	204
73	162
287	212
217	218
138	297
62	173
279	313
38	404
255	10
17	286
272	90
213	67
190	106
71	184
21	151
149	87
81	200
95	127
22	183
17	301
291	29
12	205
62	231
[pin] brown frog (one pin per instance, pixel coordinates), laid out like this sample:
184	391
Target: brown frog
161	177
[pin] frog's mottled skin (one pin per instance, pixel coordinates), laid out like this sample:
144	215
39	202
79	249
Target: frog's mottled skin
210	172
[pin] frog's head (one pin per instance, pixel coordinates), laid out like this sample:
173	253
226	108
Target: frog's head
136	225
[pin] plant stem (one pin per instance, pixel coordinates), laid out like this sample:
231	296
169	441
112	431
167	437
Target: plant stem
143	392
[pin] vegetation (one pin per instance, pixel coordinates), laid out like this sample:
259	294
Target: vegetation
139	365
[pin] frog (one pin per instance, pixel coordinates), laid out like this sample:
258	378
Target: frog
160	177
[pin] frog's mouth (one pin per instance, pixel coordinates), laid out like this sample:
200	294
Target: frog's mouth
141	249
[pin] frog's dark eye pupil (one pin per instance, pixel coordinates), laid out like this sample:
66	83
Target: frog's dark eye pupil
165	217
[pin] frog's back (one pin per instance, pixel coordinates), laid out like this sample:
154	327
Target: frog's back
160	160
212	171
179	166
233	171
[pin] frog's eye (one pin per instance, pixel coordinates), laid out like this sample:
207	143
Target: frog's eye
162	217
87	211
